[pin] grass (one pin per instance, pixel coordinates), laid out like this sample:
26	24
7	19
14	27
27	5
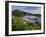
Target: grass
18	25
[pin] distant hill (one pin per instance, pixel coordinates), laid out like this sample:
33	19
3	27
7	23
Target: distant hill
22	13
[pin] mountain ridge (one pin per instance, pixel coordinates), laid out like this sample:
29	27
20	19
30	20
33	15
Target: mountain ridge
19	12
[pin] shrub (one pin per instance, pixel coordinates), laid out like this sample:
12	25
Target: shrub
18	24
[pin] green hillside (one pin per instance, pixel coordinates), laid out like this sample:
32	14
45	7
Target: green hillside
20	13
18	23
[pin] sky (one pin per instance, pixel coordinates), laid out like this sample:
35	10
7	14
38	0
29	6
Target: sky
29	9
